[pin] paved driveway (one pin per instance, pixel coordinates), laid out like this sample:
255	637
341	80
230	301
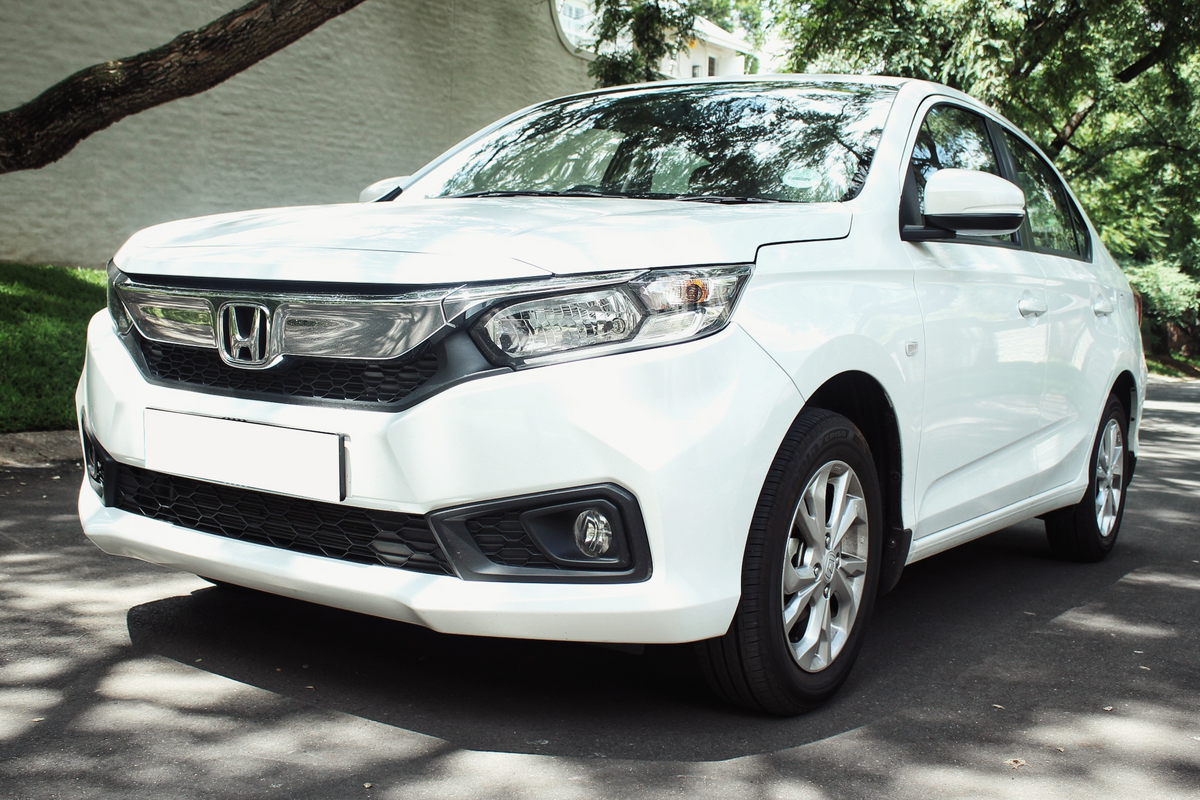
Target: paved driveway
991	671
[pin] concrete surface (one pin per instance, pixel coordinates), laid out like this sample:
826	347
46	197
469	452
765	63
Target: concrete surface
992	671
39	448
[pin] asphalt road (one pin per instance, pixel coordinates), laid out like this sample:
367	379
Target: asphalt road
991	671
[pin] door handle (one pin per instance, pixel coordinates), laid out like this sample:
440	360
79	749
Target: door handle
1031	307
1102	306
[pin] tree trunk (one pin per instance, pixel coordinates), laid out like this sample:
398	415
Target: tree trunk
48	127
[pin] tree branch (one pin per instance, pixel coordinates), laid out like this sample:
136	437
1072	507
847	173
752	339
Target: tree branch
1042	32
1067	131
48	127
1147	61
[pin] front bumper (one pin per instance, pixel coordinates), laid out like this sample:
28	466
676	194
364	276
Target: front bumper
689	430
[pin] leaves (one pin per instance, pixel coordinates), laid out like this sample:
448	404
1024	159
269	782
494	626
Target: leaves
634	36
1109	88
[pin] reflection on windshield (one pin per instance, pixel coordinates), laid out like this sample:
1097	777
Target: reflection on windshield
781	141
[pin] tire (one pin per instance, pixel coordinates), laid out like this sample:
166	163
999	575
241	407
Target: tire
1088	530
799	624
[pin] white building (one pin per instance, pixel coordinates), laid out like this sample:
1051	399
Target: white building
714	52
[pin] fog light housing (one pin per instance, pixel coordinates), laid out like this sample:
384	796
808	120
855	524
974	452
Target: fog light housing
593	533
588	534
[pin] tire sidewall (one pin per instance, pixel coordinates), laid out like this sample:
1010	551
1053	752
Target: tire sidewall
834	439
1113	410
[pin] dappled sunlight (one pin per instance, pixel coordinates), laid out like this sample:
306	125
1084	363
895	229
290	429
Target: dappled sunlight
993	671
21	709
74	599
222	745
1095	620
169	685
148	717
465	773
33	670
1163	579
1034	780
320	736
1130	729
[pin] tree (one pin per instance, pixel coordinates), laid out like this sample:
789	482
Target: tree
1110	89
48	127
634	36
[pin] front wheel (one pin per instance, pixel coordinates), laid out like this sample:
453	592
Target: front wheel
809	573
1088	530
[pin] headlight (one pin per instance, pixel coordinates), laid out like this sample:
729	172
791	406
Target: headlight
116	309
651	309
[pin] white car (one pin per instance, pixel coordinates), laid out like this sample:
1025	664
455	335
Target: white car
704	361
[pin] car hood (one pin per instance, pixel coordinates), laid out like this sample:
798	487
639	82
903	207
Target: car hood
443	241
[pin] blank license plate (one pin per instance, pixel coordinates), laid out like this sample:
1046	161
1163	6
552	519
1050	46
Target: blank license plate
273	459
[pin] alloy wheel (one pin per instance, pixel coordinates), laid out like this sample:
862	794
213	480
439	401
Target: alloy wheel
825	565
1110	461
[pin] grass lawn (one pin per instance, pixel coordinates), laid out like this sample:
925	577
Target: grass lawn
44	313
1175	366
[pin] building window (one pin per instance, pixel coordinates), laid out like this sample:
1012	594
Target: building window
576	17
712	65
695	70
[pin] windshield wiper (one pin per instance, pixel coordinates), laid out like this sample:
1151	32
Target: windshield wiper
508	193
724	199
697	198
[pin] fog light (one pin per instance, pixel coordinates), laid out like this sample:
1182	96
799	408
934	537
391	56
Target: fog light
593	533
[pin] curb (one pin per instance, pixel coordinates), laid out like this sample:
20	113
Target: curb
39	449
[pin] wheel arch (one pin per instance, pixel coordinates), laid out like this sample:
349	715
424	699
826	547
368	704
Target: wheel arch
863	400
1125	389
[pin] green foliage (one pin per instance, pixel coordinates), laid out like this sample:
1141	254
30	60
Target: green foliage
634	36
1110	89
1169	294
1175	366
745	16
44	312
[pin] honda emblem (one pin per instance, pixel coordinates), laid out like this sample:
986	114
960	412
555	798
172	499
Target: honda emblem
244	332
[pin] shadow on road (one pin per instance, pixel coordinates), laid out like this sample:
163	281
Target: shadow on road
123	680
950	612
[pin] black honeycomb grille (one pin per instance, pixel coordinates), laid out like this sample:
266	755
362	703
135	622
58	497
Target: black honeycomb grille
346	533
377	382
504	540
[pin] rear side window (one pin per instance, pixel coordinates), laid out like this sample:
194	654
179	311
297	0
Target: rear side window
951	138
1055	222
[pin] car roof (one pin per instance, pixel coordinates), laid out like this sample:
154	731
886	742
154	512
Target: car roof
769	78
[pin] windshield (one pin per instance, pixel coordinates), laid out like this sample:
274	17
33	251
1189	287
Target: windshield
770	141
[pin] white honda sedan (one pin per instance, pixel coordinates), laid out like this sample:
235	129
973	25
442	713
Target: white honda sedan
705	361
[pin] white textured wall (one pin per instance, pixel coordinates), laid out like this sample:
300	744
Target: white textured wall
374	93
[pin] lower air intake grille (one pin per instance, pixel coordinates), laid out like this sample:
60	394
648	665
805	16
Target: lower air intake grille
376	382
361	535
503	539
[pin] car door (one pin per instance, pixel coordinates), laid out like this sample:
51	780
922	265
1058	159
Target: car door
1081	317
982	301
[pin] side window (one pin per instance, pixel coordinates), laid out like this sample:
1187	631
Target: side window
951	138
1053	218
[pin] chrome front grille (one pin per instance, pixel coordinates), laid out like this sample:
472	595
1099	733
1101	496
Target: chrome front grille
305	325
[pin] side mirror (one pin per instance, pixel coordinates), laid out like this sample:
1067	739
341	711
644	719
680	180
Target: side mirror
973	203
381	188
